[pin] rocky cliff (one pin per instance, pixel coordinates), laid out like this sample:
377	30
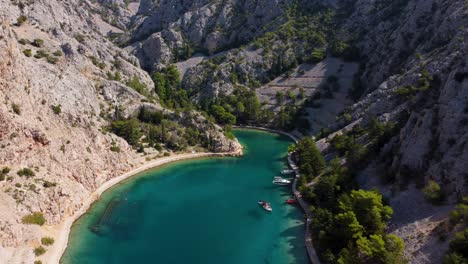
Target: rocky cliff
59	94
412	73
413	68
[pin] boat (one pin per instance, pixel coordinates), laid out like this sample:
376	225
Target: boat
281	181
287	171
265	205
291	201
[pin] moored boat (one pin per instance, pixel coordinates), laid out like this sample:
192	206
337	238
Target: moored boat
291	201
265	205
287	171
281	181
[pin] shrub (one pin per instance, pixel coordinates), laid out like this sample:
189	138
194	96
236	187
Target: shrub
27	52
455	258
460	214
57	109
137	85
26	172
158	147
37	262
432	192
5	170
21	19
52	60
115	148
58	53
16	109
114	77
47	241
229	134
459	244
279	97
23	41
36	218
97	63
404	91
148	116
79	37
47	184
39	251
40	54
38	42
317	55
127	129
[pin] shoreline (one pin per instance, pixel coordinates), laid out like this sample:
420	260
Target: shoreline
311	253
291	136
56	251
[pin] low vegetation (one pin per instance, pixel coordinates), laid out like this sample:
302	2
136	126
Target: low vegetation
21	20
79	37
36	218
39	251
27	172
47	241
153	129
27	52
57	109
16	109
348	145
3	173
433	192
137	85
38	42
458	246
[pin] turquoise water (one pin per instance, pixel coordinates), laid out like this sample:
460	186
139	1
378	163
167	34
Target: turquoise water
197	211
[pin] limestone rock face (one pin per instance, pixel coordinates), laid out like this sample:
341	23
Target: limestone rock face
54	111
428	36
211	26
401	44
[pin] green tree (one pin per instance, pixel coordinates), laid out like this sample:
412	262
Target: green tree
311	161
369	210
222	116
127	129
160	85
459	243
433	192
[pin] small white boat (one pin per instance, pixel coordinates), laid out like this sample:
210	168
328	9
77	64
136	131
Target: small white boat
287	172
265	205
281	181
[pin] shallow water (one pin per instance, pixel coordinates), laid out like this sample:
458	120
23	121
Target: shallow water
197	211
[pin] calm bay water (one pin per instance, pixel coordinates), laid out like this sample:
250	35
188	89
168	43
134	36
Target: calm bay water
197	211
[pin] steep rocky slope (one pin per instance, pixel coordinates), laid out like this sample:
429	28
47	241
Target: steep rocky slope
57	100
413	69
